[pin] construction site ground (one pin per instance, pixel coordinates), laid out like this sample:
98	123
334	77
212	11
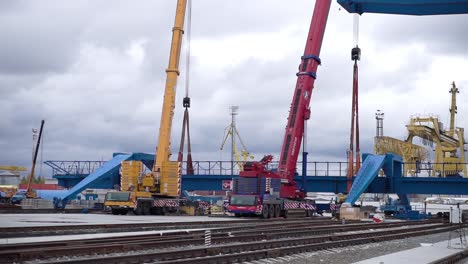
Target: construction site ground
18	220
421	249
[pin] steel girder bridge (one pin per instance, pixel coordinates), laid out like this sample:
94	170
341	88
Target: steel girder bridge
320	177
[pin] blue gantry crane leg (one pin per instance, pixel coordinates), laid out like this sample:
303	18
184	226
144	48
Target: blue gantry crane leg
391	166
107	168
365	176
371	166
105	172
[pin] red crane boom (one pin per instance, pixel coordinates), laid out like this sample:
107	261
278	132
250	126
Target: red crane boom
300	111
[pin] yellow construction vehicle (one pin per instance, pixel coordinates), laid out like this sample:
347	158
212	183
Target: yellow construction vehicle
148	193
6	192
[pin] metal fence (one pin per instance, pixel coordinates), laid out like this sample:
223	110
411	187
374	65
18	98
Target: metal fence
428	169
73	167
333	168
314	168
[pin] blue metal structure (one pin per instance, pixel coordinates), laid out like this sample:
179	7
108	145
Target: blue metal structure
369	170
406	7
337	184
103	173
70	173
107	174
393	182
321	177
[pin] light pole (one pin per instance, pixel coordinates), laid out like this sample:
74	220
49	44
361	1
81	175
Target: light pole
234	112
34	138
379	116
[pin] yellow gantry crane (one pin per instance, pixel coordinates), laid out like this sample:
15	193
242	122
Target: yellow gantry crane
449	156
13	168
449	152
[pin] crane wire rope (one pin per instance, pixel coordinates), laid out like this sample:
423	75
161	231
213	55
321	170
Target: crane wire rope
186	100
354	133
187	51
355	30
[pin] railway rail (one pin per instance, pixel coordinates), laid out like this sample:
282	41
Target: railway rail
33	231
232	241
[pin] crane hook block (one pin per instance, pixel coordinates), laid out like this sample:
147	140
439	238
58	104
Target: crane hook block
356	54
186	102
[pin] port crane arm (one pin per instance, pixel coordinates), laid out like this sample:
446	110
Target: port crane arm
228	132
244	151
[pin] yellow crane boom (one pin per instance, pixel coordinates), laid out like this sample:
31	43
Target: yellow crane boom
165	175
163	151
153	193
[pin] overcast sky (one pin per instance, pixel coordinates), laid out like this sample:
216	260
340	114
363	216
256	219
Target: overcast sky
95	71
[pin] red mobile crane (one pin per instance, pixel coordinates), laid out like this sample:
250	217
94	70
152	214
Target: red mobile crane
254	191
300	111
265	201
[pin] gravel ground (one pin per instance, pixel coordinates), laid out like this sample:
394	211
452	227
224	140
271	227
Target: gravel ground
355	253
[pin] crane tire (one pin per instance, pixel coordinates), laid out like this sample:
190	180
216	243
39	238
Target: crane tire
271	211
277	210
146	208
265	211
138	210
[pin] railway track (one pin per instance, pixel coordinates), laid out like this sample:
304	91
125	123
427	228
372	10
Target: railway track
167	248
33	231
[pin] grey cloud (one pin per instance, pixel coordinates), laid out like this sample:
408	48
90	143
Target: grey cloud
441	34
39	37
80	78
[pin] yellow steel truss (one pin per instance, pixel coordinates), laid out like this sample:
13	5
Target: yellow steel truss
410	153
